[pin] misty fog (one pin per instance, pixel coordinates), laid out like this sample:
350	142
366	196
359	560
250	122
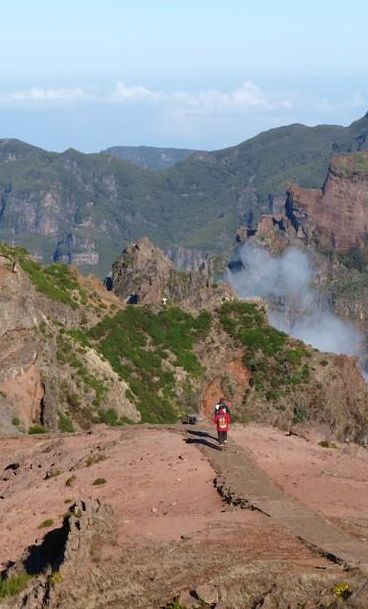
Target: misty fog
286	283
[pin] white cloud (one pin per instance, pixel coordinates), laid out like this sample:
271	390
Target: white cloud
125	93
248	96
37	94
243	98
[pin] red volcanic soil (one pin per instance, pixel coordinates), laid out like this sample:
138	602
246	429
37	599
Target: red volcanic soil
331	481
160	488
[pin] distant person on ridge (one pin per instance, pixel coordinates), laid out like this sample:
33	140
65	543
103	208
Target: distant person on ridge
222	421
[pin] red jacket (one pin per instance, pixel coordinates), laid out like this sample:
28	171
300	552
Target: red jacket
222	421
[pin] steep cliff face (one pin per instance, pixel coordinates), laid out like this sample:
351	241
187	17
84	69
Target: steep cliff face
337	215
42	382
332	224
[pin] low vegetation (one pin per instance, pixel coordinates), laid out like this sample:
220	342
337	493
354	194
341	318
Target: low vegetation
87	382
35	429
99	482
145	347
46	523
277	363
55	281
65	423
11	586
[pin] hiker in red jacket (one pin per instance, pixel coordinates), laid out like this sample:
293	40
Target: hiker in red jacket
222	421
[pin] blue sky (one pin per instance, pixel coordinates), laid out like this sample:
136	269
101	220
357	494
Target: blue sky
204	74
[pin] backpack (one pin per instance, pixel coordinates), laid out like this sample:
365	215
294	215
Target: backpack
222	422
222	406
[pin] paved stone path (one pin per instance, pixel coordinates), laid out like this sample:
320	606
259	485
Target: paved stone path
242	480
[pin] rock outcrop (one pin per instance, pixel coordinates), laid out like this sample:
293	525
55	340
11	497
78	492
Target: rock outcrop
332	224
62	556
38	385
143	274
335	217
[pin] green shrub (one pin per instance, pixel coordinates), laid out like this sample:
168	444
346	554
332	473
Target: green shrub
299	414
37	429
46	523
13	585
65	423
343	591
99	482
16	421
136	341
326	444
275	360
109	417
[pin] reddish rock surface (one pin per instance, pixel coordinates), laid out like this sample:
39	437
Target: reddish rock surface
331	481
337	215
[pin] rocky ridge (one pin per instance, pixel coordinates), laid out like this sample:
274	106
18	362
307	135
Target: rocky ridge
145	272
74	354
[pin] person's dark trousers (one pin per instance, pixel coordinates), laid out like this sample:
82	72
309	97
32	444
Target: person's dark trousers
222	436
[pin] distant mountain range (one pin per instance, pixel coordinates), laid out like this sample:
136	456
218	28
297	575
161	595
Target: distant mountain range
150	157
83	208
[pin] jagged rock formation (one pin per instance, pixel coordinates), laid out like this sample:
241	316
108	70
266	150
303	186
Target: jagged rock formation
186	259
333	218
144	274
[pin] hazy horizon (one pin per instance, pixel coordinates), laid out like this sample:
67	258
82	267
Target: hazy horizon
91	75
145	145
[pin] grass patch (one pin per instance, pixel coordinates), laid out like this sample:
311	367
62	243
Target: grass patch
110	417
13	585
65	423
55	281
326	444
99	482
175	605
37	429
46	523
